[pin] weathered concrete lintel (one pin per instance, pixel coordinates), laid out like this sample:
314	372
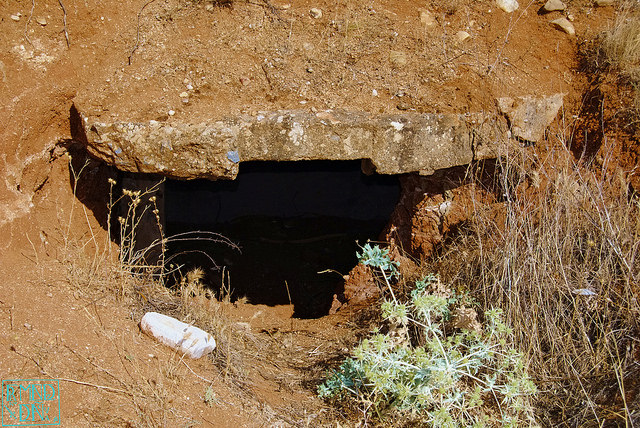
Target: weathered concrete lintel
395	144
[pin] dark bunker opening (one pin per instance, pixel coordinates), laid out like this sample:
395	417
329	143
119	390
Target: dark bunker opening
298	225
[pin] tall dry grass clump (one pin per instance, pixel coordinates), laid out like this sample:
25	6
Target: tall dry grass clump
561	257
621	44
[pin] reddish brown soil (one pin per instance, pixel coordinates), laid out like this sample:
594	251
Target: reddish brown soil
240	57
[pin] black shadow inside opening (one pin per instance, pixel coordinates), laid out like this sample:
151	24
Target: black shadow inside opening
291	221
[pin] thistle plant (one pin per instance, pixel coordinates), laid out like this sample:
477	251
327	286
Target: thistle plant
377	257
462	377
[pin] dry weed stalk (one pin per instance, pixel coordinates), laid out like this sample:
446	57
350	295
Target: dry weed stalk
562	260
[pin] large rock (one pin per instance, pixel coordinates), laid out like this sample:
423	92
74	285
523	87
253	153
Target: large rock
530	116
394	144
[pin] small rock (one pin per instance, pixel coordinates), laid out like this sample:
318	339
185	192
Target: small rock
208	7
604	3
245	81
41	20
315	13
374	92
171	112
15	17
189	87
508	5
28	326
185	81
564	25
554	5
530	116
184	95
398	58
461	36
427	18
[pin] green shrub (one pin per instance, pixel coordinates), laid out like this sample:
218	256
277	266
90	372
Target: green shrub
462	377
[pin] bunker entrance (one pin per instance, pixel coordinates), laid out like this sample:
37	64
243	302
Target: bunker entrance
296	224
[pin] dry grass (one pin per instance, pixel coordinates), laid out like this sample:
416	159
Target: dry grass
561	257
622	42
137	278
621	45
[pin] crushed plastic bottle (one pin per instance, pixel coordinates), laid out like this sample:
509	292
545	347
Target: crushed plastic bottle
190	340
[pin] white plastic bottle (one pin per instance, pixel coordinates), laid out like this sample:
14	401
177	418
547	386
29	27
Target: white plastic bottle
186	338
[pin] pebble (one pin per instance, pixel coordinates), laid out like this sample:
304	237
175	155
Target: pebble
190	87
398	58
374	93
208	7
461	36
171	112
315	13
427	18
184	95
553	5
28	326
41	20
508	5
564	25
15	17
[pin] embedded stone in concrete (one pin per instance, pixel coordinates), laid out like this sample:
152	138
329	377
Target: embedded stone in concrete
394	144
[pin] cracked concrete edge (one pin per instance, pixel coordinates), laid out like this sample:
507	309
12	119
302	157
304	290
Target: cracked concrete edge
394	144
